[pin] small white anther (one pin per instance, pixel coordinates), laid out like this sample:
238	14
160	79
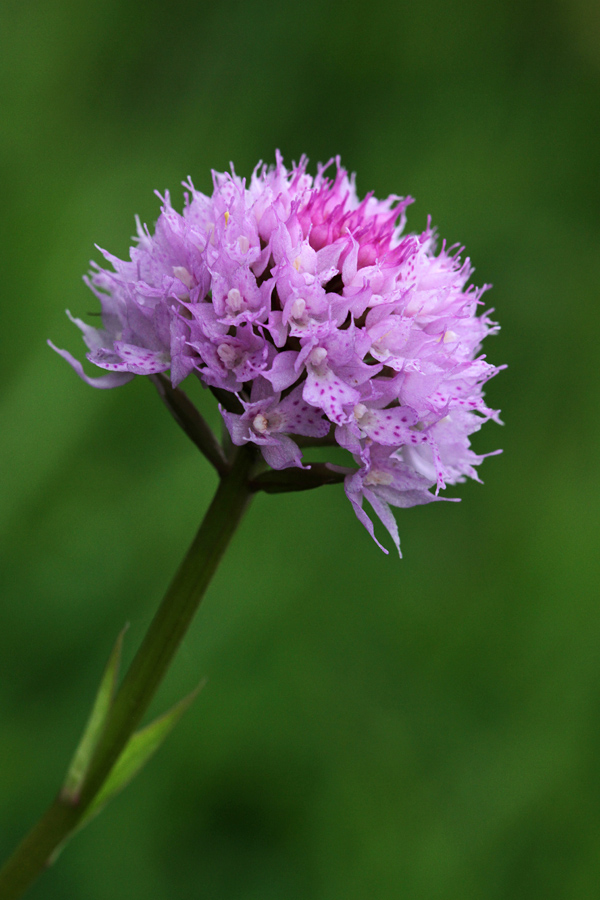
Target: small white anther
360	411
184	275
243	243
235	301
450	337
298	307
374	477
260	423
227	354
297	263
317	356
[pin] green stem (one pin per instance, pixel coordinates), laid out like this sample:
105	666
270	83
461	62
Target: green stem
147	670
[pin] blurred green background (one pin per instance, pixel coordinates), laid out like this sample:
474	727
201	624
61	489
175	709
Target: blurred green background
426	728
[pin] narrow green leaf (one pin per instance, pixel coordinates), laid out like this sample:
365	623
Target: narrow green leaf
140	747
95	724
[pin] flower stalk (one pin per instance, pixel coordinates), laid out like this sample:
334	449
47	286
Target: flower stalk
145	674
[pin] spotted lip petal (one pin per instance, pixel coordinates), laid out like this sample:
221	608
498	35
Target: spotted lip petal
312	309
110	380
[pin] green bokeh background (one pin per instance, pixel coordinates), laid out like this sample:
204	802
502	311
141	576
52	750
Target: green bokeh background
426	728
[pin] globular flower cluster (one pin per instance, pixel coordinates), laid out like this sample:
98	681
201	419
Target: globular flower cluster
314	309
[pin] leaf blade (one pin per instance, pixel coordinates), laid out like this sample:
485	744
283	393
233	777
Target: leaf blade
95	724
141	746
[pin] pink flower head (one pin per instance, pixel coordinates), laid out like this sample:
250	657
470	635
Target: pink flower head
316	312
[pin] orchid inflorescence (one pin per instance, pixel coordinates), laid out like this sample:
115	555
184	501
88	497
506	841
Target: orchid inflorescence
314	320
